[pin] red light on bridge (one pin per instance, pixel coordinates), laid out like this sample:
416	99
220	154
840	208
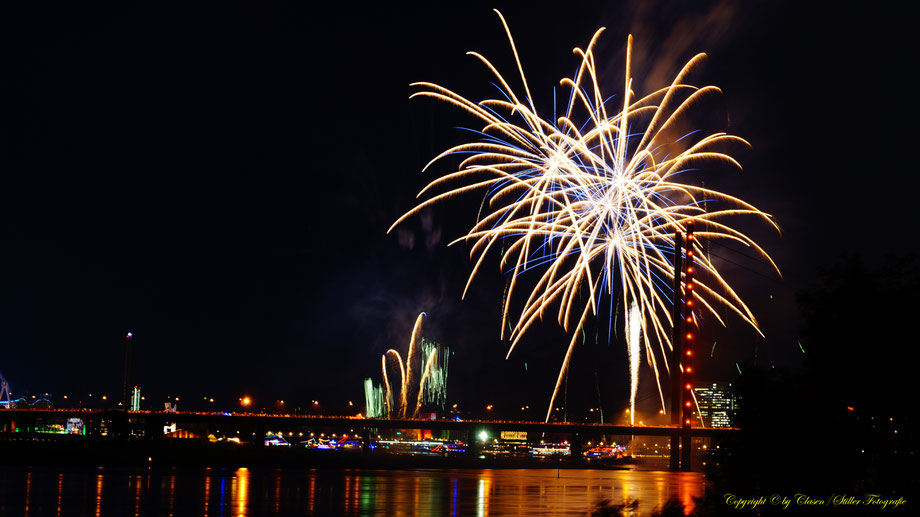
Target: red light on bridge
689	352
851	408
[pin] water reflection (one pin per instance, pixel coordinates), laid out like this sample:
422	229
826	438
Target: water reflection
28	492
99	493
138	483
60	494
172	491
241	493
248	492
277	482
207	492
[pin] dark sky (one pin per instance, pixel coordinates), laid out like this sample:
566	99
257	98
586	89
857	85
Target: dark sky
219	181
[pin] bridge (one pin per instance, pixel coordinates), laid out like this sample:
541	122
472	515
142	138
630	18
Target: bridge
123	423
257	426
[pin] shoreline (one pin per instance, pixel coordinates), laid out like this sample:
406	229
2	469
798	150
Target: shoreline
110	452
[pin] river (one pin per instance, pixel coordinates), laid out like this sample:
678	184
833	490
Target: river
156	491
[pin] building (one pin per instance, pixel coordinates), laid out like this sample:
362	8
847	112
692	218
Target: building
716	402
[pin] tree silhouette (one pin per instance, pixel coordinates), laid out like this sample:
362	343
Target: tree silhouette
845	423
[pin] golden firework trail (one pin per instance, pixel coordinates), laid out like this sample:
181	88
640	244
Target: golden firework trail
592	200
431	385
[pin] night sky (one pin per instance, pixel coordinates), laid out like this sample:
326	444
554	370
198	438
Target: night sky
220	181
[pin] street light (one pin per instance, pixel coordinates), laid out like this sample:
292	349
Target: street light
126	402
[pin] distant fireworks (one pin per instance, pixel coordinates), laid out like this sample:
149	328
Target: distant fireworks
374	399
434	386
431	387
592	200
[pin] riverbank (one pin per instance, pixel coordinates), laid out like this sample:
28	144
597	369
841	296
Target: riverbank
89	451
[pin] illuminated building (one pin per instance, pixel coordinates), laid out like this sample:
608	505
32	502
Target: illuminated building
716	403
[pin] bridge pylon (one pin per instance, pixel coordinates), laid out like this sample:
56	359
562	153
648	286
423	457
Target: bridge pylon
682	335
676	341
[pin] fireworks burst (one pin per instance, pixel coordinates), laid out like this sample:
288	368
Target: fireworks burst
592	199
432	387
374	399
